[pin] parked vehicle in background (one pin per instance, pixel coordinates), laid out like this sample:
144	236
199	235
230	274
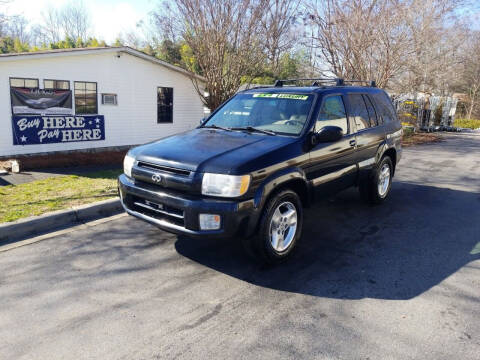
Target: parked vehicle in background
249	170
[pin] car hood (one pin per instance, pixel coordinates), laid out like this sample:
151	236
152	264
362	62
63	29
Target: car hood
211	150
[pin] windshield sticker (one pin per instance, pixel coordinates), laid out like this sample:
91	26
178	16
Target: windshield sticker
265	95
282	96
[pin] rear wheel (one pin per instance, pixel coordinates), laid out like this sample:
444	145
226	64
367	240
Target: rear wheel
279	229
376	187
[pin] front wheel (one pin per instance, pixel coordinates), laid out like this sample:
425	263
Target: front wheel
279	229
376	187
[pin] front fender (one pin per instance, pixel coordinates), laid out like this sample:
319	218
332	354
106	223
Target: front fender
275	180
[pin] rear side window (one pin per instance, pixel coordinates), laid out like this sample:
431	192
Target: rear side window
332	113
359	111
371	111
384	107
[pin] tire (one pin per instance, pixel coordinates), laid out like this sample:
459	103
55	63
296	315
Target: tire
279	229
376	187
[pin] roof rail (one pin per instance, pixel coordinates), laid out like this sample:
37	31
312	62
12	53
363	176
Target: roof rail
323	81
316	81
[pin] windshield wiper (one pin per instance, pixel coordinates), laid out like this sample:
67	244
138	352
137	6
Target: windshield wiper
217	127
252	129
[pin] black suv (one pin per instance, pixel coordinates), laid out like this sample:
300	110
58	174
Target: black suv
252	166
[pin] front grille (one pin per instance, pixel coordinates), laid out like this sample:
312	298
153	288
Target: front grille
156	210
167	169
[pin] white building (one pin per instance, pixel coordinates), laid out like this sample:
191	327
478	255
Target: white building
117	97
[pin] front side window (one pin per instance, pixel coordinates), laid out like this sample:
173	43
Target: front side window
56	84
164	105
86	97
359	111
332	113
283	113
24	83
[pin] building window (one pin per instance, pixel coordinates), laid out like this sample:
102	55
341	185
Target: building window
56	84
164	105
86	97
24	83
109	99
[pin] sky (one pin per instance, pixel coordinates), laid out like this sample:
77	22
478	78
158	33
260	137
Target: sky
109	17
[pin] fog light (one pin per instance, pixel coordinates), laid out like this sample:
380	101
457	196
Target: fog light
209	221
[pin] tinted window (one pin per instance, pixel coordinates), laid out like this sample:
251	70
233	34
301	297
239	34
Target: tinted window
359	111
371	111
164	105
85	97
332	113
384	107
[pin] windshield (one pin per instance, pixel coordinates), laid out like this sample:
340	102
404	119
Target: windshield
282	113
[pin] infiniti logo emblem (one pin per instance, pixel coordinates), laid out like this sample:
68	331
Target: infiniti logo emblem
157	178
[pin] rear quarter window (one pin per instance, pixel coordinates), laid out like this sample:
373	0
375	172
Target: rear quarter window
384	107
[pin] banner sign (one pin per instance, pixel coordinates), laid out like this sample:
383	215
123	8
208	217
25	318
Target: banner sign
31	129
41	101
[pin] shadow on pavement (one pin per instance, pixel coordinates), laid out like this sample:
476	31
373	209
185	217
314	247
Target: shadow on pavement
350	250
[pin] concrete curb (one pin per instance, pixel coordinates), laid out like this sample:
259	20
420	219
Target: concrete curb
37	225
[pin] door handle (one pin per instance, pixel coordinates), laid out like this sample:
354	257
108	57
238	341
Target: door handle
353	142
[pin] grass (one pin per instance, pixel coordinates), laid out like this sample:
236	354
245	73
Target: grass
467	123
56	193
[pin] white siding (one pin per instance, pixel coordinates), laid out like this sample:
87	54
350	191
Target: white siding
134	80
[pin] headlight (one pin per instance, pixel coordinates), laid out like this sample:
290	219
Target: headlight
225	185
128	164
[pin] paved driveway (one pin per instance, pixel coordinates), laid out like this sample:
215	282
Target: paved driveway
399	281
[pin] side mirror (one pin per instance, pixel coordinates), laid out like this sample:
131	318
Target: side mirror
327	134
202	120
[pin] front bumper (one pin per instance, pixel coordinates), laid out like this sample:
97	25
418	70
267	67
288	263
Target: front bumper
180	211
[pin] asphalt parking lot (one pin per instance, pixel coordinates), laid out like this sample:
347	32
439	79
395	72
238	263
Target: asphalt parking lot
398	281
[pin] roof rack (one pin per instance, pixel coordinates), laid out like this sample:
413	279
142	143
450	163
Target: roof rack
324	81
316	81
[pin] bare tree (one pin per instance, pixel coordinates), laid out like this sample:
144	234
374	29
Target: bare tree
223	37
72	20
132	39
18	28
3	16
409	44
470	75
164	23
38	36
435	35
359	39
51	27
75	20
277	23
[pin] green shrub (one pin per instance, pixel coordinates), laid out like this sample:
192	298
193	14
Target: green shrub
408	131
465	123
